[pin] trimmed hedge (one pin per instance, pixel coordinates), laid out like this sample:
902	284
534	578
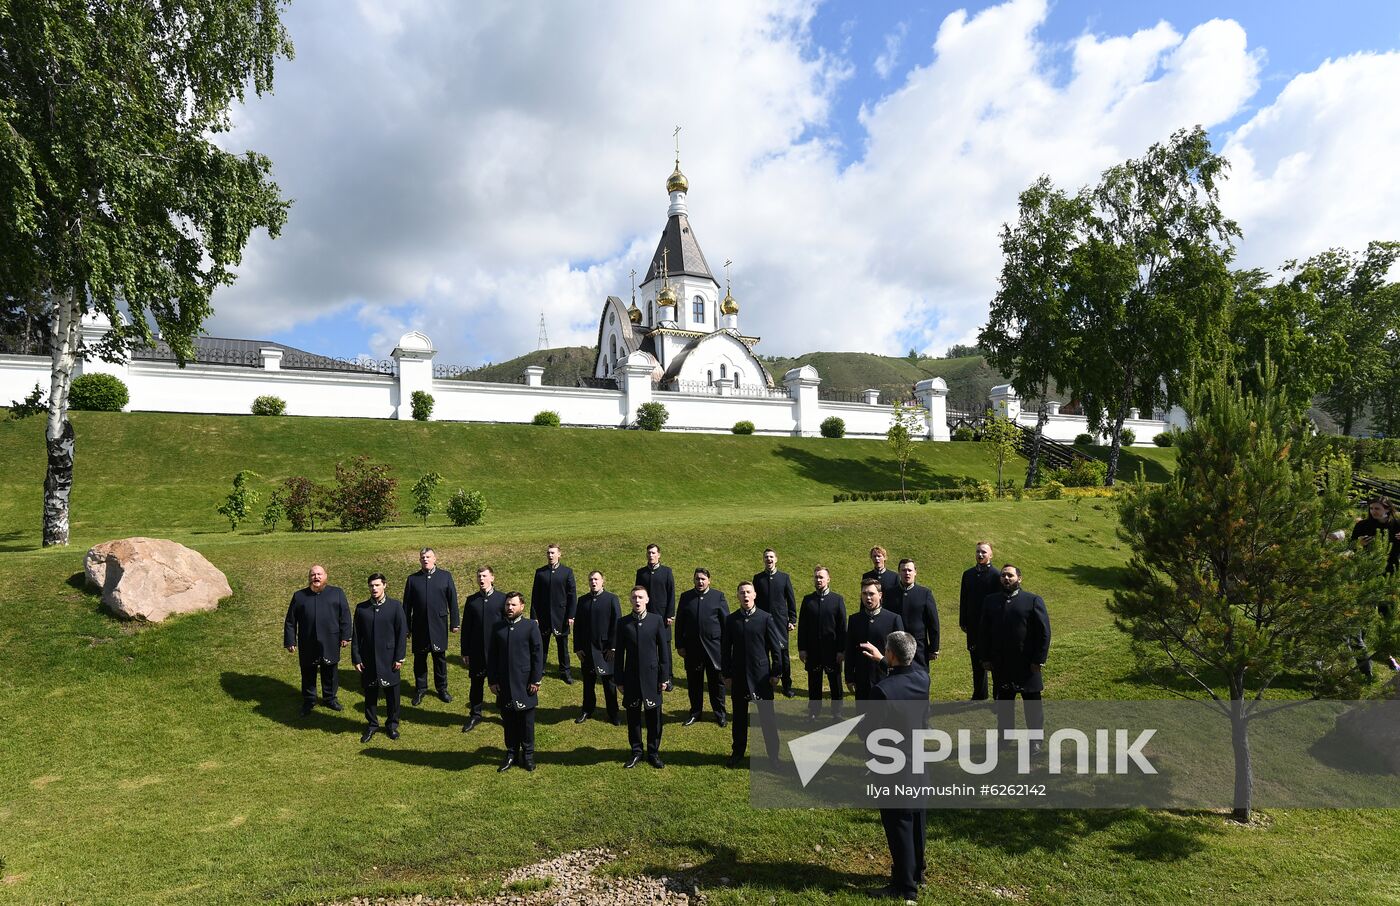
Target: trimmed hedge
422	403
1165	439
98	393
1084	440
466	507
269	405
1050	491
546	418
1127	437
743	427
652	416
964	433
834	427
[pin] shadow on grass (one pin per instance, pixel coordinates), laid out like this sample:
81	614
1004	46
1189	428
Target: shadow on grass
1106	578
1159	837
494	750
1129	463
280	701
869	474
721	861
17	541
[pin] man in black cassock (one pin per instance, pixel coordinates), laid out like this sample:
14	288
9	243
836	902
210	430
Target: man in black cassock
887	578
377	650
430	603
777	599
872	624
595	628
553	603
642	660
751	662
821	641
700	617
515	667
660	583
316	628
979	581
917	609
481	614
1014	640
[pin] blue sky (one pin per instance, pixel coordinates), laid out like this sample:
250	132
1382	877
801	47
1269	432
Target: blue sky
462	168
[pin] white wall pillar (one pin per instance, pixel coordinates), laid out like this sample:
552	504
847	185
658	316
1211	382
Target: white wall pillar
414	355
635	382
802	384
534	375
872	397
1134	413
933	396
271	358
1005	401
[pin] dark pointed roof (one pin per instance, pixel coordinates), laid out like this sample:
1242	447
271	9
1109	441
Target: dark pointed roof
683	252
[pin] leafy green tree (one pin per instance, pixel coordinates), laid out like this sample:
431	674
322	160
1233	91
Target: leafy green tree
1003	437
904	427
114	197
1027	336
422	492
1150	282
1281	320
238	505
1233	581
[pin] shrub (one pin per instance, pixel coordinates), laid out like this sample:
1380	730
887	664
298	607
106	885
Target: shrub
32	404
275	512
269	405
1084	440
423	490
964	433
422	403
304	501
466	507
743	427
1127	437
239	502
1053	490
98	393
834	427
363	497
1165	439
1085	473
546	418
651	416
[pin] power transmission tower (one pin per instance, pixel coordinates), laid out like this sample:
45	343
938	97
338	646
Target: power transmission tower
544	334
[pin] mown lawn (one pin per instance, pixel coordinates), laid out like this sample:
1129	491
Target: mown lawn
166	764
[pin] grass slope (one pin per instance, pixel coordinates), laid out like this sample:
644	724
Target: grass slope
969	378
562	366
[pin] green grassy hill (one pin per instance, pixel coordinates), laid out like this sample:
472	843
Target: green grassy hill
968	378
562	366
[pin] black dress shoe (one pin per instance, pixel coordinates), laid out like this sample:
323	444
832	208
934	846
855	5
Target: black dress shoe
334	704
655	761
568	678
528	764
690	720
633	761
307	709
788	693
417	699
471	723
615	721
368	734
507	764
582	718
445	696
735	761
393	733
723	718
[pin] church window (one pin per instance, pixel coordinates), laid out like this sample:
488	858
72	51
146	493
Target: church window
709	377
651	316
737	377
612	317
612	348
697	309
723	372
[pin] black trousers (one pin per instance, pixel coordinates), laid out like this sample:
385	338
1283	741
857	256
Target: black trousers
590	686
561	642
699	675
787	671
740	726
420	670
904	831
814	687
979	674
330	680
520	731
1005	693
391	705
477	696
652	717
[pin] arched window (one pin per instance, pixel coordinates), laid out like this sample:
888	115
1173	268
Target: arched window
709	376
697	309
612	349
738	376
723	372
651	315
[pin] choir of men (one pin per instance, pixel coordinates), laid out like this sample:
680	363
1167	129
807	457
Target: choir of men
752	663
430	604
595	633
484	610
515	668
979	582
643	667
699	628
821	642
316	628
777	599
553	601
377	649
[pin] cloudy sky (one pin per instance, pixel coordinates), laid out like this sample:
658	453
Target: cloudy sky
460	168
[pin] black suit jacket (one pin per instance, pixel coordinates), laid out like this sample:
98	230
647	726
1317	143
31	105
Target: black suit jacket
1014	635
700	626
888	579
553	599
753	653
480	617
821	629
661	586
977	583
516	662
379	642
316	623
595	628
430	603
775	596
642	660
862	672
919	611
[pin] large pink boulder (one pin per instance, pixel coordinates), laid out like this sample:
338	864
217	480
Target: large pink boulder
150	578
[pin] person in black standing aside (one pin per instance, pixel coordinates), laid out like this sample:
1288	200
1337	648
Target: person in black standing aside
430	603
515	667
978	582
595	628
316	628
700	617
1383	520
1014	640
553	601
660	583
887	578
871	625
751	662
821	641
481	614
777	599
642	660
918	610
377	650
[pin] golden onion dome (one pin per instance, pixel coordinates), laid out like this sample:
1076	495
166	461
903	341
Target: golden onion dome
667	296
634	313
677	182
727	305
